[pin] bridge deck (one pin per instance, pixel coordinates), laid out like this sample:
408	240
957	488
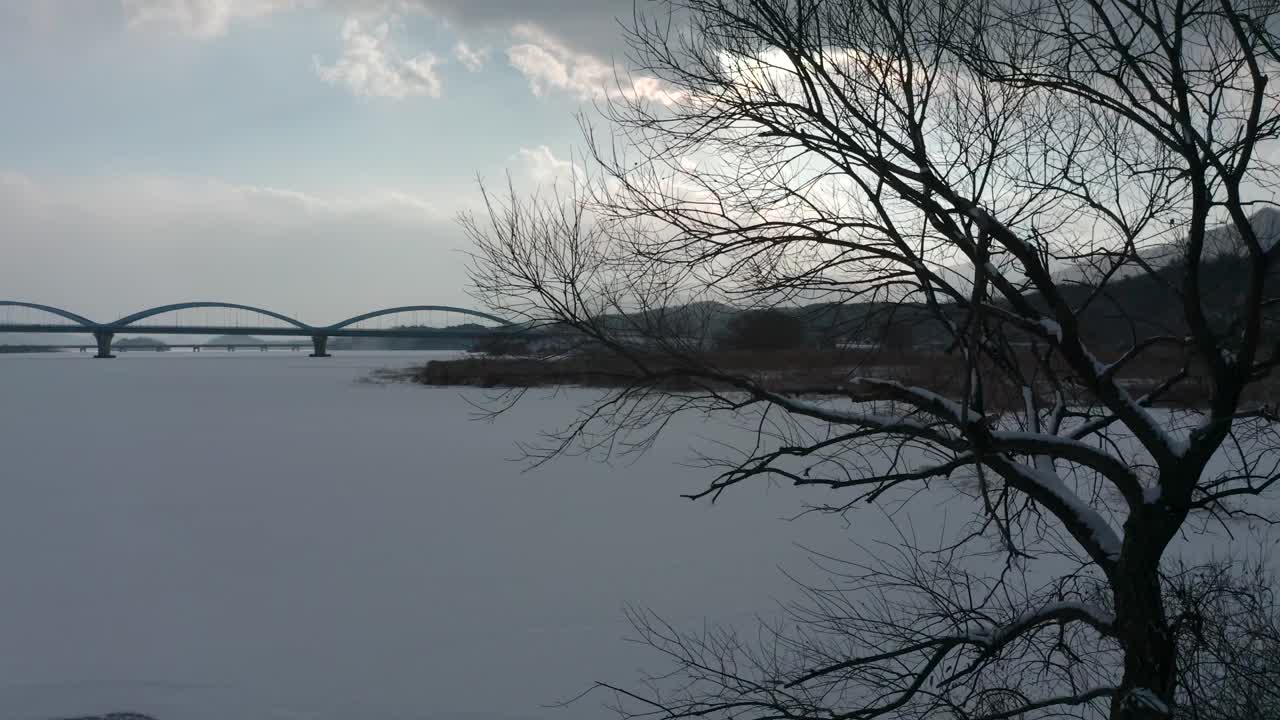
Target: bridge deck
409	332
319	336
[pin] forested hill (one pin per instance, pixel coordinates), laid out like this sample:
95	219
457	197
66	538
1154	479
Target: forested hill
1135	303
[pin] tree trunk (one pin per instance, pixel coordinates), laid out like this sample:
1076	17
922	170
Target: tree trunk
1150	653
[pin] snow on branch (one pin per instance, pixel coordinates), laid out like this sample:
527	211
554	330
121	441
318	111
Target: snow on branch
1115	469
1066	700
1058	612
991	639
1084	522
1062	326
1074	512
1043	444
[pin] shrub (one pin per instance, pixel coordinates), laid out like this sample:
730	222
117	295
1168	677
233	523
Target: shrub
765	330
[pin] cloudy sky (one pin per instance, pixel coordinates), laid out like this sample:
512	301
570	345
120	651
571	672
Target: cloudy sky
308	156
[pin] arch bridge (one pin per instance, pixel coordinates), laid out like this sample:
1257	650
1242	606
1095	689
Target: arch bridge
283	325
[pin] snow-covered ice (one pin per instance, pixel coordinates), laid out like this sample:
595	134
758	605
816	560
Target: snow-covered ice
259	535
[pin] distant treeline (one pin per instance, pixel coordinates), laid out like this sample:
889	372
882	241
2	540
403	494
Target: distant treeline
409	343
377	343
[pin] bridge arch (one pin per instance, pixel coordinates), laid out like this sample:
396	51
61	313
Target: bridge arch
144	314
80	319
416	308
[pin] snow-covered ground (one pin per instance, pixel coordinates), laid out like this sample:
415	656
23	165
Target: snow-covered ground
261	536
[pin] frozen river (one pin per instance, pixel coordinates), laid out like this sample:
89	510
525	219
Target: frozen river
260	535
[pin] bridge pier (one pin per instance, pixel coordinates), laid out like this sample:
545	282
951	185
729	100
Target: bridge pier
104	344
320	343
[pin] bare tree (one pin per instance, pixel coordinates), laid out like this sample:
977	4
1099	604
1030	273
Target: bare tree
1227	622
1052	184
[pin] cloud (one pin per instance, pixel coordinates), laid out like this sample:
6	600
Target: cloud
549	64
472	60
589	26
368	66
107	246
202	18
545	41
540	165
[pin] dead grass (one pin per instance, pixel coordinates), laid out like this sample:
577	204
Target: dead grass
805	371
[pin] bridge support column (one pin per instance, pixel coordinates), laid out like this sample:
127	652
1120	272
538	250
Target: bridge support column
320	343
104	344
